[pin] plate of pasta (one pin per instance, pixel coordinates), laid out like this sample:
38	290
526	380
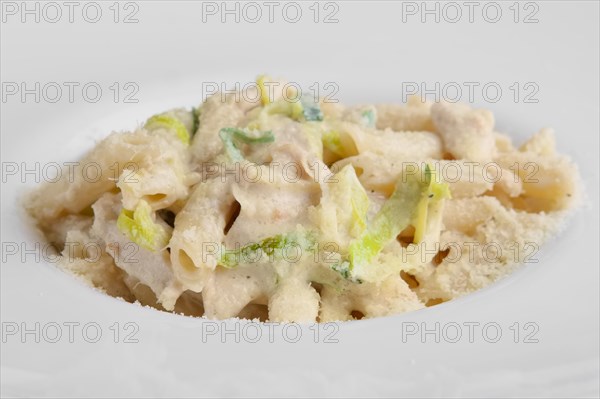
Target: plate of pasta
299	199
275	206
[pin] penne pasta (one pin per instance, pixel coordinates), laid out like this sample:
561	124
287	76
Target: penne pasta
278	207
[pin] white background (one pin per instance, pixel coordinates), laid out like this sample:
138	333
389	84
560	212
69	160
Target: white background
372	49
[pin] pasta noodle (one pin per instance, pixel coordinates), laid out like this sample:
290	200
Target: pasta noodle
273	206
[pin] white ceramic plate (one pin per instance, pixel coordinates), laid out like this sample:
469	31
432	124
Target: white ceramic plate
547	313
